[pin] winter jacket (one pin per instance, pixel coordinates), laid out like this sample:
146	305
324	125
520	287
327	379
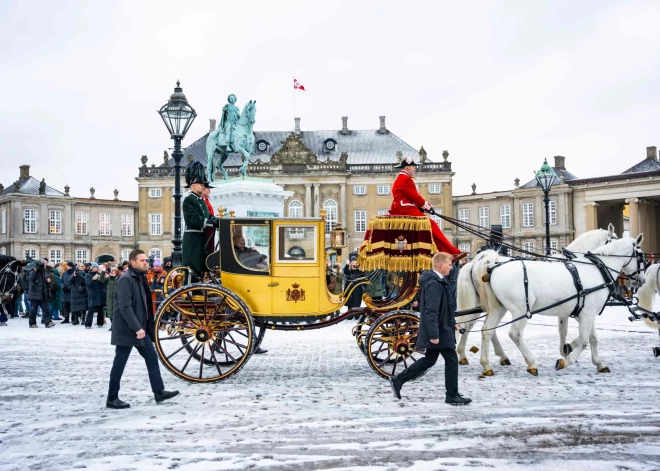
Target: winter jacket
355	298
110	283
133	310
66	294
452	279
436	316
77	283
56	287
37	285
375	289
93	289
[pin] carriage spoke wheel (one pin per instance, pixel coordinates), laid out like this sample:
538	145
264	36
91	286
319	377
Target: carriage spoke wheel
390	342
176	278
205	333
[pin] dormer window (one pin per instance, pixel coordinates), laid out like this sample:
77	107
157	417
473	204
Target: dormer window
330	145
262	146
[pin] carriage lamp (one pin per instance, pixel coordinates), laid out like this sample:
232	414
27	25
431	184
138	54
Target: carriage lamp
178	116
545	178
338	238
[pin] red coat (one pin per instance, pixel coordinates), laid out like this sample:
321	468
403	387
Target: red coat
210	233
407	202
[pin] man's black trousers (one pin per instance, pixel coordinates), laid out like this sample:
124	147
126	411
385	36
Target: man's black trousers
45	311
121	357
99	316
426	362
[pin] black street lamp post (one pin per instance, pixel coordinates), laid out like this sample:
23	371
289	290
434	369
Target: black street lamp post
177	115
545	178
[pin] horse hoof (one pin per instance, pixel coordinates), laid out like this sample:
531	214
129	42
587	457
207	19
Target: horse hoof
656	352
533	371
488	373
560	365
463	361
505	362
475	350
567	349
604	370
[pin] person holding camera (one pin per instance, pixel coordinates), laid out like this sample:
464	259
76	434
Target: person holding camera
95	295
38	295
78	285
66	291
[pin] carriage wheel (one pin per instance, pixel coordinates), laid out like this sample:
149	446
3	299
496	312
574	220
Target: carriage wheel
390	342
210	337
224	360
176	278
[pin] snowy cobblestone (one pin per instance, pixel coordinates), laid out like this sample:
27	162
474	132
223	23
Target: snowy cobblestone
313	402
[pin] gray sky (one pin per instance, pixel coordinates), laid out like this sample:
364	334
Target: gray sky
500	85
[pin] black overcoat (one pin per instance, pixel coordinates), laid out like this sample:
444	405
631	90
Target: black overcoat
37	286
78	300
436	318
196	216
66	276
94	291
133	310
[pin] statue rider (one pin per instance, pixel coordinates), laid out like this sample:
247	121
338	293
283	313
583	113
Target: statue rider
229	119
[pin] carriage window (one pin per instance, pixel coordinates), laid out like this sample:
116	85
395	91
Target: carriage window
251	245
296	244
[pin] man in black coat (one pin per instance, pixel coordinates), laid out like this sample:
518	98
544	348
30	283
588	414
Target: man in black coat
38	282
133	326
437	328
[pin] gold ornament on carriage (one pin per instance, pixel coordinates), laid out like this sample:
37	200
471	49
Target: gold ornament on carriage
296	294
401	243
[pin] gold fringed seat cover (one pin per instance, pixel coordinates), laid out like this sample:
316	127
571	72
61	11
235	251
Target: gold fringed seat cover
397	243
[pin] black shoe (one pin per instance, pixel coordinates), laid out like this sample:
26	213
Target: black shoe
395	384
66	321
117	404
164	395
110	329
458	400
34	326
88	327
260	351
50	324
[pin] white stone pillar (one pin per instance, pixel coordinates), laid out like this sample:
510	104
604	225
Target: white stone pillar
342	203
633	214
308	200
317	200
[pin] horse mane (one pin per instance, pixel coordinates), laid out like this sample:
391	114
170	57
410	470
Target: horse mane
243	120
586	240
615	247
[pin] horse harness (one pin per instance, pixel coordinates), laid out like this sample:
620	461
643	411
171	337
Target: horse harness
4	272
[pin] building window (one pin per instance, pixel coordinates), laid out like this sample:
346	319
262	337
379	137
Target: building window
360	221
155	253
528	214
553	247
55	256
54	221
155	224
81	223
82	256
30	254
528	246
552	213
383	189
463	216
30	221
3	221
155	193
383	212
125	253
435	218
505	216
330	207
359	190
464	248
127	225
435	189
295	209
104	224
484	217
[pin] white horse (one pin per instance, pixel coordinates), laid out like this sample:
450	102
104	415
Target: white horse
467	293
645	296
551	283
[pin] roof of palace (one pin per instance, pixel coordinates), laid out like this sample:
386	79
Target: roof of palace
30	186
560	173
646	165
362	147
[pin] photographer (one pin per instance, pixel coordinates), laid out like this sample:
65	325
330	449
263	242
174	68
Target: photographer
78	286
95	296
38	295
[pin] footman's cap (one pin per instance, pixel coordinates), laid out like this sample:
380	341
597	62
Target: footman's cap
406	162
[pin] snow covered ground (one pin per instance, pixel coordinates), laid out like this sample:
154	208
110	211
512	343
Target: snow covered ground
313	403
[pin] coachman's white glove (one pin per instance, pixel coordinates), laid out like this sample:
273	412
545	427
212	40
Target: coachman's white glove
427	206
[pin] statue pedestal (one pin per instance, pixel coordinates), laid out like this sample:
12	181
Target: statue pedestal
249	197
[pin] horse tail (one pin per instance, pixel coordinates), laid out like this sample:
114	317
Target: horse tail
646	293
466	294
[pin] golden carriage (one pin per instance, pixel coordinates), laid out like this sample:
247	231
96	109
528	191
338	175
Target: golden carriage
206	330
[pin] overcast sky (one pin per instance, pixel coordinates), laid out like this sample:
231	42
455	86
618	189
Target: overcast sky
500	85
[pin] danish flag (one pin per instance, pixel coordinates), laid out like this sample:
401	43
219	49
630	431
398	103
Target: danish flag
298	86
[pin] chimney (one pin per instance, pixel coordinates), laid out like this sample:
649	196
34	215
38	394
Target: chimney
212	125
651	153
296	128
25	172
344	124
383	129
559	162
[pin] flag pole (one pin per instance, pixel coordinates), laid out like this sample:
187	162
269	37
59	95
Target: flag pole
293	101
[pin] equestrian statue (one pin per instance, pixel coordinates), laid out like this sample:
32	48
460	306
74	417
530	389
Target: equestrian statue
234	134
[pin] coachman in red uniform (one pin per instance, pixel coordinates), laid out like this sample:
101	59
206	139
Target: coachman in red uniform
209	232
408	202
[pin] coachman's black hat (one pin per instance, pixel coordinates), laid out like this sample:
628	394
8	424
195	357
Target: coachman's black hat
195	174
406	162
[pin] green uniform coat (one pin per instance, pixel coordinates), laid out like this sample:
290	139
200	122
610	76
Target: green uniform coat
196	216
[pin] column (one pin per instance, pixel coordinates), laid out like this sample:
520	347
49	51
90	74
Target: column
642	210
308	200
650	237
591	216
342	203
317	200
633	214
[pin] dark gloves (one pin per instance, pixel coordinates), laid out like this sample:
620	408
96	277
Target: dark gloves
213	221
